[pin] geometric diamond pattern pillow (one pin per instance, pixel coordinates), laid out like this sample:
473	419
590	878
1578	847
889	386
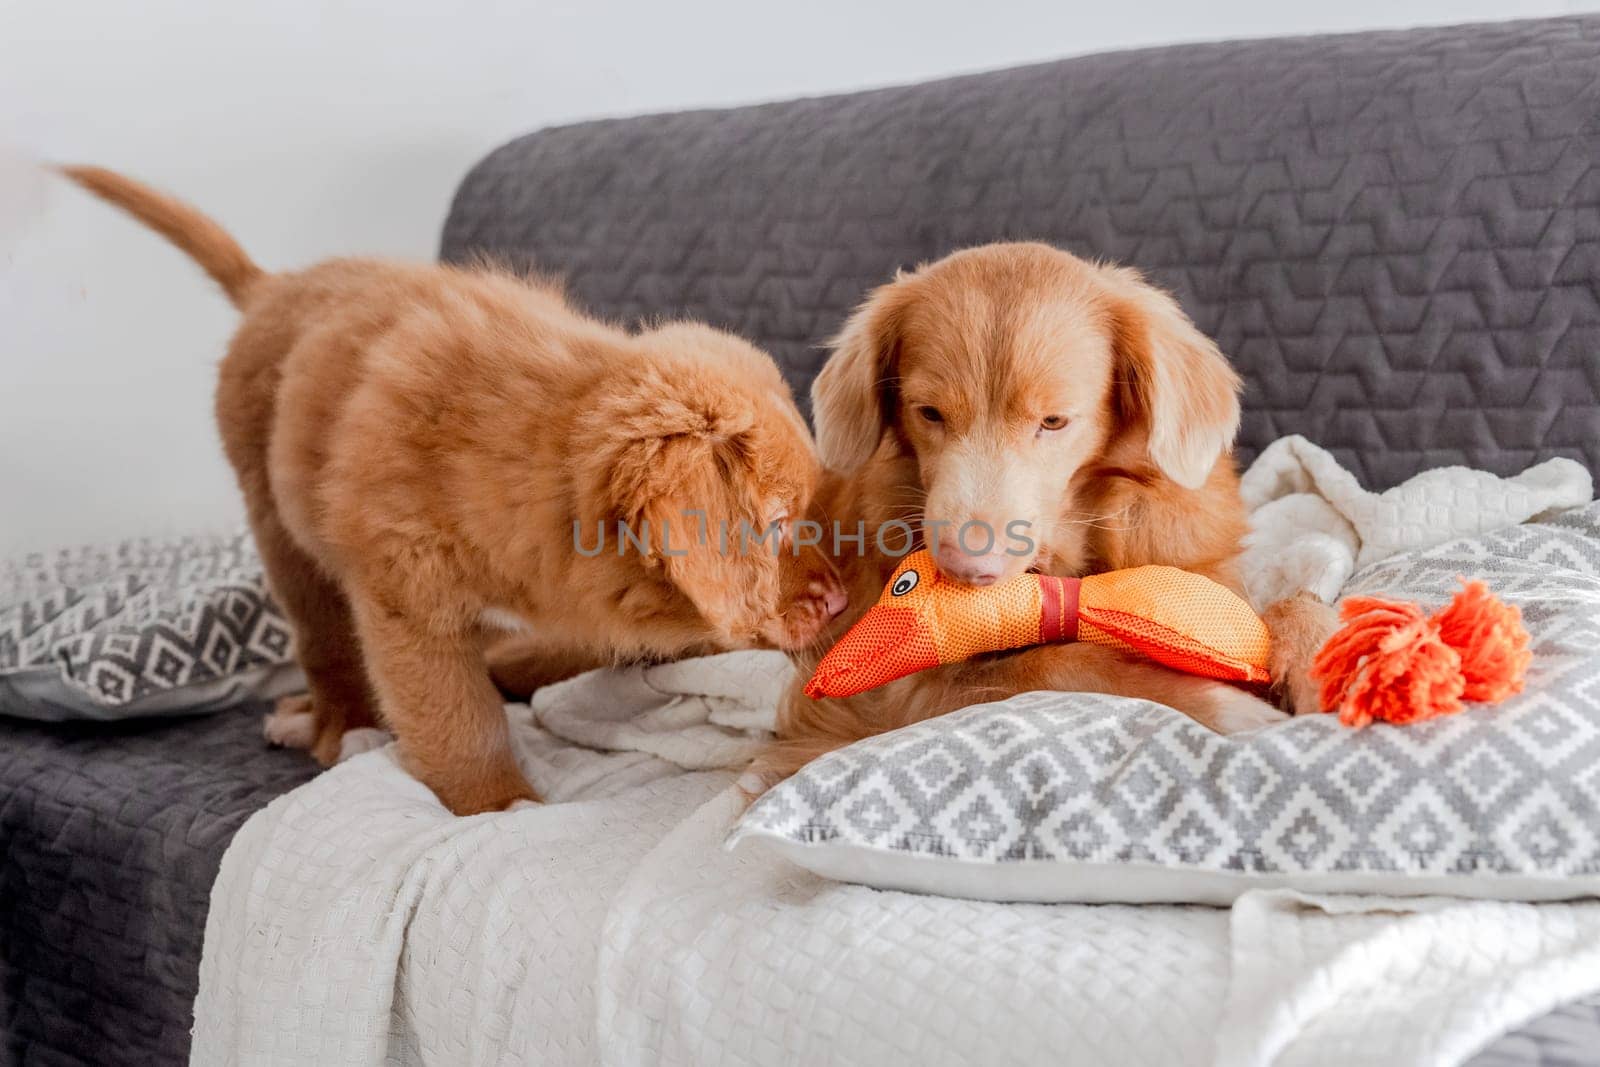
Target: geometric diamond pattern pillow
147	627
1083	797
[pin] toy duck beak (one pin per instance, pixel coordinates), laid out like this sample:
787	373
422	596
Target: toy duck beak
886	643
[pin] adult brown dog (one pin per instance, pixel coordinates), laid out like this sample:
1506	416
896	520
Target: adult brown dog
416	444
1033	411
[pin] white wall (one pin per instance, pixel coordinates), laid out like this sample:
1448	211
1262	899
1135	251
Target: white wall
313	127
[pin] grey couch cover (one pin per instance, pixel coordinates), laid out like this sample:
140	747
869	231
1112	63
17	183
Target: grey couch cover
1395	236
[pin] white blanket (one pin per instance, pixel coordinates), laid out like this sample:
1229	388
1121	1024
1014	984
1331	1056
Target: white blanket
1312	525
714	711
1355	980
354	921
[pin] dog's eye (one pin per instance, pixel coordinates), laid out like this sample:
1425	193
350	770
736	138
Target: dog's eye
1052	422
930	413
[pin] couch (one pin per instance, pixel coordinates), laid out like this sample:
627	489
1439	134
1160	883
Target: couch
1395	236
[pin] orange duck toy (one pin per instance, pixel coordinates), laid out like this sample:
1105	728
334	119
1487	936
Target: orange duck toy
1390	662
923	619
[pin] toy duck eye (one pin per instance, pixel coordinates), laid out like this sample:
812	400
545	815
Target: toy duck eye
904	584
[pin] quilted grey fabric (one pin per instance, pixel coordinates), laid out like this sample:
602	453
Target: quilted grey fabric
149	626
1503	792
1394	236
110	838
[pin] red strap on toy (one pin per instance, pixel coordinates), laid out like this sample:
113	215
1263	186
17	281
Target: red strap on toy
1058	611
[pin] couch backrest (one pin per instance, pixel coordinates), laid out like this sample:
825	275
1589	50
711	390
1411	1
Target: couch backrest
1395	236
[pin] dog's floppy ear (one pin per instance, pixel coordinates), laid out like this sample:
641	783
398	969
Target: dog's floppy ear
679	485
717	580
853	398
1172	379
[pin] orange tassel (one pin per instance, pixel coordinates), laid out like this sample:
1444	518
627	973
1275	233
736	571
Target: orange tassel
1392	663
1493	644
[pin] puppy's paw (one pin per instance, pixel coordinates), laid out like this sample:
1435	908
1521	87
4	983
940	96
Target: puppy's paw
291	723
1235	711
753	782
1296	693
498	792
365	739
1300	625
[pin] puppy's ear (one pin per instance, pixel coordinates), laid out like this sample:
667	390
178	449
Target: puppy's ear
679	487
1172	378
853	398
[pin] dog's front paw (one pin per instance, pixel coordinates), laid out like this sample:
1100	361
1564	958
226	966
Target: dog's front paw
1300	625
291	723
1296	693
1235	711
365	739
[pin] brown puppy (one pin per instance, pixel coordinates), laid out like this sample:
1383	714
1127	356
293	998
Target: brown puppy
429	451
1030	410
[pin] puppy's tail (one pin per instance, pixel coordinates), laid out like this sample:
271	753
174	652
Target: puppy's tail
206	242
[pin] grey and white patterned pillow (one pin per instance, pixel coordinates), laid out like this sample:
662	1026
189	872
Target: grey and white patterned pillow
147	627
1078	797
